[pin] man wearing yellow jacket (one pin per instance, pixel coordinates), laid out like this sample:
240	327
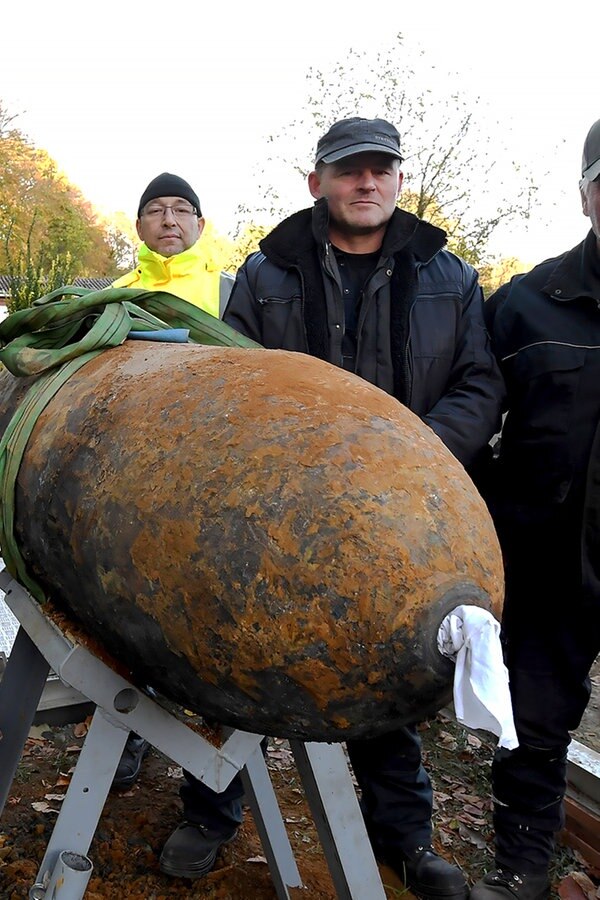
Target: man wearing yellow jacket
170	224
171	258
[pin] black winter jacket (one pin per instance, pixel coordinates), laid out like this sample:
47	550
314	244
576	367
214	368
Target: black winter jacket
545	329
421	335
545	493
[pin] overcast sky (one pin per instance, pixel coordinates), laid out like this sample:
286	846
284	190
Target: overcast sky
118	92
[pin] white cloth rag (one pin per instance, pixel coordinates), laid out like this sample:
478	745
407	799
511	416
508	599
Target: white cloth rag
470	636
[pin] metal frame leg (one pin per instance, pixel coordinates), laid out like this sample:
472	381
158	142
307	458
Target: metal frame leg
68	881
20	691
332	798
85	798
269	824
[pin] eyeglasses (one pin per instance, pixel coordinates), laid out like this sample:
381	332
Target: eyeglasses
179	210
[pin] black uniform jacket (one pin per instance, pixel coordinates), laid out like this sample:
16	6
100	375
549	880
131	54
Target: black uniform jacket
545	496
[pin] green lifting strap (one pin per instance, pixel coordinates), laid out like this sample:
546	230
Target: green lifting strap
12	447
55	330
56	337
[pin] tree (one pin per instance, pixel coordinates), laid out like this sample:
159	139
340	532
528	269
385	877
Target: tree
217	247
30	280
496	273
246	242
122	239
452	154
40	210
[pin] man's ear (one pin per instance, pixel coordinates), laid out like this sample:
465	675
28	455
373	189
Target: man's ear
400	180
314	185
584	200
201	224
138	228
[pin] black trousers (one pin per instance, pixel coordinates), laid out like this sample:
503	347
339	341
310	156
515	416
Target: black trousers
397	797
396	793
551	636
550	690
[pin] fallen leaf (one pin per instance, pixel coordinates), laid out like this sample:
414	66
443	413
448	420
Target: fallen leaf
577	886
472	809
472	836
41	806
36	733
257	859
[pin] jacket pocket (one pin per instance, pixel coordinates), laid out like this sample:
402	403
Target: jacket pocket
433	324
545	379
537	439
282	325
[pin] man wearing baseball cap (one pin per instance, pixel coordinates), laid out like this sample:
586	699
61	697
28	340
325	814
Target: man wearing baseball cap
545	500
171	258
362	284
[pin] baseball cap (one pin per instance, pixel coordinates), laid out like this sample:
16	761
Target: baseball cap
357	135
590	164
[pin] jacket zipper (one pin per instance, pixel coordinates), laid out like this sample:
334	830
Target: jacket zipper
341	327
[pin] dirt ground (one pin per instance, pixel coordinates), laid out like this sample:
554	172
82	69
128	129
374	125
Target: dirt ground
135	824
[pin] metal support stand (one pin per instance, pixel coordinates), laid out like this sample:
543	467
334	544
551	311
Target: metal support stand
121	708
20	691
68	880
334	805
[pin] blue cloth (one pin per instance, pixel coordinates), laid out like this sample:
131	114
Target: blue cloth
171	335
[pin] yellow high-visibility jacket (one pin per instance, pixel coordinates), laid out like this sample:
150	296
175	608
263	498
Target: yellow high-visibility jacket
191	275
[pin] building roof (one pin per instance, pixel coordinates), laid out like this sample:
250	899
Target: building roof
93	284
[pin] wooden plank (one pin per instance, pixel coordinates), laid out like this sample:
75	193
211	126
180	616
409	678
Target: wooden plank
582	830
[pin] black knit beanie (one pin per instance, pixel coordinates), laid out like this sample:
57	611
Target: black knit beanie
167	185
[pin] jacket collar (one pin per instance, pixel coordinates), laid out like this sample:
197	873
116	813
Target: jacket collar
178	264
297	235
577	272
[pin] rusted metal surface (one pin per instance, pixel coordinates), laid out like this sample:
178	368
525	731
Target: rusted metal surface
263	537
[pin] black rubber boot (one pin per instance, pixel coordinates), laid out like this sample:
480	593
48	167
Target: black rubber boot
131	761
502	884
191	851
428	875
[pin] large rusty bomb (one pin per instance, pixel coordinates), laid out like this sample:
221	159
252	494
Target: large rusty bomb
264	538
